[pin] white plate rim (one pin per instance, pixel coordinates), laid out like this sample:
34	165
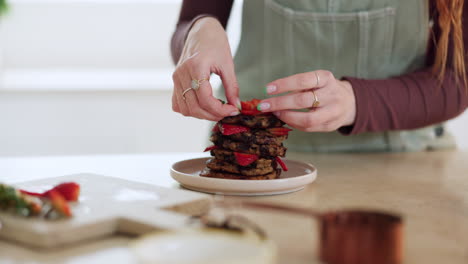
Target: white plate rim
247	187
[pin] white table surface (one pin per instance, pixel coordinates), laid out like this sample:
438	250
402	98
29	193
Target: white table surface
148	168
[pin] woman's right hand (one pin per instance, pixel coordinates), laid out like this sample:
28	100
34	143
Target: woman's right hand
206	51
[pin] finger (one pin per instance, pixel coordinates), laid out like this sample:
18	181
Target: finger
209	103
212	105
178	91
231	87
298	100
320	120
192	103
301	81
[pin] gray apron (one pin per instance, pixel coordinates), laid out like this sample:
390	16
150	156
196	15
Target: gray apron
362	38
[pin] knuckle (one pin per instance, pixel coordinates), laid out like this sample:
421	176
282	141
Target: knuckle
231	89
189	63
174	75
333	95
303	80
301	100
235	85
327	74
328	127
309	122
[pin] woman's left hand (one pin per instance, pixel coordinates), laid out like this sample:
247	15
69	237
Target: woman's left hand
336	108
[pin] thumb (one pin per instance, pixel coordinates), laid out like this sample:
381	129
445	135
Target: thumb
231	87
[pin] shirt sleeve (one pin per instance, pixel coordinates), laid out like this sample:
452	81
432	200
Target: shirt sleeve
412	100
190	12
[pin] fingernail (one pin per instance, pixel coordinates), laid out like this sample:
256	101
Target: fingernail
235	113
263	106
270	89
238	104
277	113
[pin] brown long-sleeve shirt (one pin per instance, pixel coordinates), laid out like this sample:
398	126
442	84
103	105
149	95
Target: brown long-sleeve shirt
413	100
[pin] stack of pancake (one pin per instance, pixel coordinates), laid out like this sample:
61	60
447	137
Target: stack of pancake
248	147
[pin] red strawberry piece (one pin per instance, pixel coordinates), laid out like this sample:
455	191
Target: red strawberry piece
245	159
58	202
282	164
69	190
279	131
250	107
210	148
227	129
250	112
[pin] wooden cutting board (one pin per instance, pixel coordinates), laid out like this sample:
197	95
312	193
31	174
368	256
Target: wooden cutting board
106	206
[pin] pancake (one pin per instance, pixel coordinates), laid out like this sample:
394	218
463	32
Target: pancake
228	156
225	175
260	137
254	121
266	151
220	165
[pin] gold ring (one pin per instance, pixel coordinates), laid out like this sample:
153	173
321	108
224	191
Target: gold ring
316	102
195	84
318	79
186	91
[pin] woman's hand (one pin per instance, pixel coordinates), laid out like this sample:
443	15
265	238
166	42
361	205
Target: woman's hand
206	51
337	104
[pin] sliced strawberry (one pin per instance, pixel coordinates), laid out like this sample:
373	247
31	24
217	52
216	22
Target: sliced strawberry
250	112
59	203
69	190
227	129
282	164
210	148
279	131
250	107
245	159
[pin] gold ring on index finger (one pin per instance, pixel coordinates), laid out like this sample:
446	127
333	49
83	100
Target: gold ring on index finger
316	102
195	84
186	91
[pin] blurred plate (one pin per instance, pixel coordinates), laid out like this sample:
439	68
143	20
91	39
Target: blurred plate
203	246
187	173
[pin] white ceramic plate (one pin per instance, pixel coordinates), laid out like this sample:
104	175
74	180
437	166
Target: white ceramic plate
187	172
204	246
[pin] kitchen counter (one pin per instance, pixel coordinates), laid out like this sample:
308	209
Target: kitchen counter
430	190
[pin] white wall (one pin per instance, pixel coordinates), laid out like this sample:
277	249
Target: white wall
93	76
54	123
48	34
